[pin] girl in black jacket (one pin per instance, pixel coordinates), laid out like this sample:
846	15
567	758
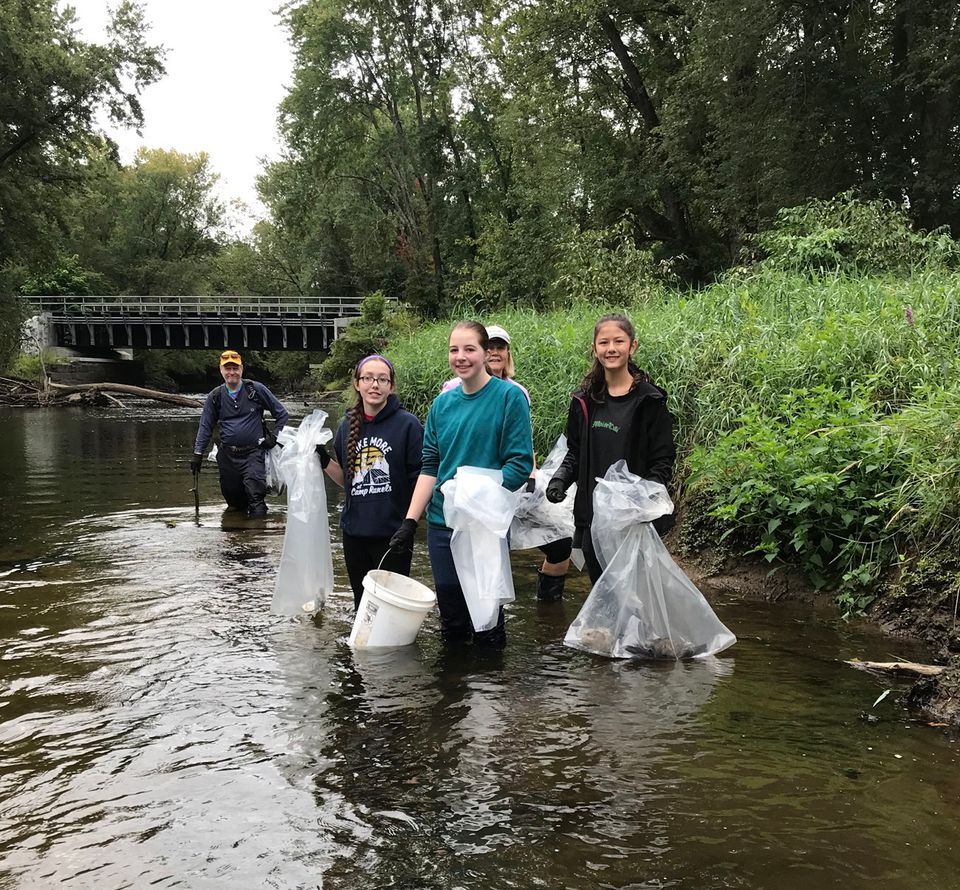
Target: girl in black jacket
617	413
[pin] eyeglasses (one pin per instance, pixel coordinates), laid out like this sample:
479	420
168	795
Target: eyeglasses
369	381
231	356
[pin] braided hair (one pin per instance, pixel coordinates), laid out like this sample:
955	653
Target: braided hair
594	383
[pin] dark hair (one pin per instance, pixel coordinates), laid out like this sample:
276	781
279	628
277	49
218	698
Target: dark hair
477	328
356	418
594	383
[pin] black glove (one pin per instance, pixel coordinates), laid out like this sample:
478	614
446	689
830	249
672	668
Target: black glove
530	485
195	463
402	539
556	490
323	454
268	440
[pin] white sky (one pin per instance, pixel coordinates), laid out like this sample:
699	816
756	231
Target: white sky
228	67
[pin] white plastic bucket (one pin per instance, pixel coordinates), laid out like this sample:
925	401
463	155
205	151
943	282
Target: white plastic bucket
391	610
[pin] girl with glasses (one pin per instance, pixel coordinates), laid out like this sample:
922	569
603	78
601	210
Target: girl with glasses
376	460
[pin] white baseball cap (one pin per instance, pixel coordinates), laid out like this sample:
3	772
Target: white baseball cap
495	332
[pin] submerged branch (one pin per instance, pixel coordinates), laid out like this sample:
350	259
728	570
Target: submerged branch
899	667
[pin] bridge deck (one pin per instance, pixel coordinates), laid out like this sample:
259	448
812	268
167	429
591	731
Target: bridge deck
196	322
127	307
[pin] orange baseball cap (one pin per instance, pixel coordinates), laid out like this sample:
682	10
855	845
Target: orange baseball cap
230	357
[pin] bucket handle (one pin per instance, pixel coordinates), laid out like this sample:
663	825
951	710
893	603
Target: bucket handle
382	558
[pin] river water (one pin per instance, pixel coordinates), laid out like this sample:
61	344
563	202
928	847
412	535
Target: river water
159	728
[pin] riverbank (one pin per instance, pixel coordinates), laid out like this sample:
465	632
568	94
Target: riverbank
923	617
817	422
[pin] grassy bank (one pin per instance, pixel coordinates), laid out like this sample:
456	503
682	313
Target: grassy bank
817	417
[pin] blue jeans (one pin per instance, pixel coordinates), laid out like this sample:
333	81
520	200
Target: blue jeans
455	623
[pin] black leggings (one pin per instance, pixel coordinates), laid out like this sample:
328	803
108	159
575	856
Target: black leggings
363	555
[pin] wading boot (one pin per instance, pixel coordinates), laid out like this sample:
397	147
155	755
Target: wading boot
257	510
550	587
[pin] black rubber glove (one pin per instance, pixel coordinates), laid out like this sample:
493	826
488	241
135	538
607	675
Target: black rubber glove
323	454
530	485
402	539
556	490
195	463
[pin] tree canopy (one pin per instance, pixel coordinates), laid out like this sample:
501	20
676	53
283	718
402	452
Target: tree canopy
54	87
450	149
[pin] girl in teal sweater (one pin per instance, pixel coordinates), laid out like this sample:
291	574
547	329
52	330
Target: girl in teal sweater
484	422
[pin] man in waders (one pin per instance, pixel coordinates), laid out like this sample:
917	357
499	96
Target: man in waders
238	406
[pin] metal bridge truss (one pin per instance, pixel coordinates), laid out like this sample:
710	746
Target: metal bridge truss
192	322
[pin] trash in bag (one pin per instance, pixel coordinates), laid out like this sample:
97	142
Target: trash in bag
306	567
643	605
479	510
271	459
537	521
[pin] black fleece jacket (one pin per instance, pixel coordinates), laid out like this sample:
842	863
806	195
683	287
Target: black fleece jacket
651	454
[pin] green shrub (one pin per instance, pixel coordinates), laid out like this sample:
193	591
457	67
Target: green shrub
380	321
786	387
850	235
813	483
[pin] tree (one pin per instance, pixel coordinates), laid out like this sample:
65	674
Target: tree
450	149
166	225
54	86
378	323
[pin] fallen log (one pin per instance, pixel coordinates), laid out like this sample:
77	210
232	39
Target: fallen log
59	389
910	668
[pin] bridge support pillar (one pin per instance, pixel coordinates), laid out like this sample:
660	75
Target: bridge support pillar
38	334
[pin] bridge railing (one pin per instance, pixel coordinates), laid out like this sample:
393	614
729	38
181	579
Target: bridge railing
194	306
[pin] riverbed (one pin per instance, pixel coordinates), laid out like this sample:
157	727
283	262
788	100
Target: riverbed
160	728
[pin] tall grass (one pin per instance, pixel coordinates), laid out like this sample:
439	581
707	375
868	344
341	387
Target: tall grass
766	349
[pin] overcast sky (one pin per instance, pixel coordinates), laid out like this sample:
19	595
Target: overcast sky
228	66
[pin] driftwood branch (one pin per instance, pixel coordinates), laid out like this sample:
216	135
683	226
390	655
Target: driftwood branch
910	668
139	391
24	393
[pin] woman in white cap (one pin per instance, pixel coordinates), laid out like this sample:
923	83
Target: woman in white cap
551	576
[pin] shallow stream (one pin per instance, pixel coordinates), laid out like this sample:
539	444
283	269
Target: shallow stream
158	727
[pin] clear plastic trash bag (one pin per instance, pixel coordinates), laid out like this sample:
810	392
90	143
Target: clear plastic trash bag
479	510
306	567
537	521
643	605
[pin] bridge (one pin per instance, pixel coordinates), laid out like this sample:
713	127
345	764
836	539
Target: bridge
194	322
